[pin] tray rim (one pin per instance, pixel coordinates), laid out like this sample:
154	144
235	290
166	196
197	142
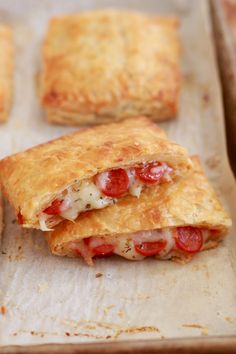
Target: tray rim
226	60
186	345
201	345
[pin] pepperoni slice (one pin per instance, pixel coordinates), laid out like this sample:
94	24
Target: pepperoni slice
151	172
189	239
114	183
103	250
54	208
98	247
150	248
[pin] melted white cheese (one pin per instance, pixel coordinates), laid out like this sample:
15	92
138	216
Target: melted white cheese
125	247
124	244
87	196
43	222
155	236
135	186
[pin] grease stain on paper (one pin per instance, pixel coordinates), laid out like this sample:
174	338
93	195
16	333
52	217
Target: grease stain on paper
204	329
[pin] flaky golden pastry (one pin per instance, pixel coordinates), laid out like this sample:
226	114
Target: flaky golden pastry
191	201
6	71
1	216
109	65
32	179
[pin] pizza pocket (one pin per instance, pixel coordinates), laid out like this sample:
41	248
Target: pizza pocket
89	169
173	221
6	71
109	65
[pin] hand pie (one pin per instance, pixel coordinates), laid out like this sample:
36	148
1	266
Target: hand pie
6	71
109	65
172	221
89	169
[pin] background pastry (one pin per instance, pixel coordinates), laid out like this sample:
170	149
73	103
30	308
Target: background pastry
109	65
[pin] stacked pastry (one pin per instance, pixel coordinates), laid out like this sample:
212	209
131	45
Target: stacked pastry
121	188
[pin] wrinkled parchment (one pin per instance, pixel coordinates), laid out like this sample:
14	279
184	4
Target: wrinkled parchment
52	299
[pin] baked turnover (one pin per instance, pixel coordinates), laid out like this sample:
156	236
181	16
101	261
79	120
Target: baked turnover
89	169
109	65
6	71
172	221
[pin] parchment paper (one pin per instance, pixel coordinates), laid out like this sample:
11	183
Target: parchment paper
52	299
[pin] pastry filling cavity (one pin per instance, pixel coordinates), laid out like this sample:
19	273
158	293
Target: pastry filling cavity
102	190
161	243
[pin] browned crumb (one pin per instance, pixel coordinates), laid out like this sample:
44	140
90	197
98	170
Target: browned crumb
88	335
206	97
108	309
121	314
230	319
67	334
98	275
204	329
136	330
142	296
193	326
204	332
3	310
213	162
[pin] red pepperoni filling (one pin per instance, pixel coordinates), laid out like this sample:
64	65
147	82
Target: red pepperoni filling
20	218
103	250
114	183
152	172
98	247
189	239
54	208
77	251
150	248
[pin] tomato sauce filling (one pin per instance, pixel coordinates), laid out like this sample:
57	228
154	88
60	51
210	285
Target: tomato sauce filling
163	244
103	190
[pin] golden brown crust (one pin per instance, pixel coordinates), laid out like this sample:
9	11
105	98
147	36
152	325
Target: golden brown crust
107	65
32	179
190	201
6	71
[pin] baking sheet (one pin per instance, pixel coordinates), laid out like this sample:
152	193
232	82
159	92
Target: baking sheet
224	21
49	299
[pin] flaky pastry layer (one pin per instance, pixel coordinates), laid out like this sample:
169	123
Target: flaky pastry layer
32	179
